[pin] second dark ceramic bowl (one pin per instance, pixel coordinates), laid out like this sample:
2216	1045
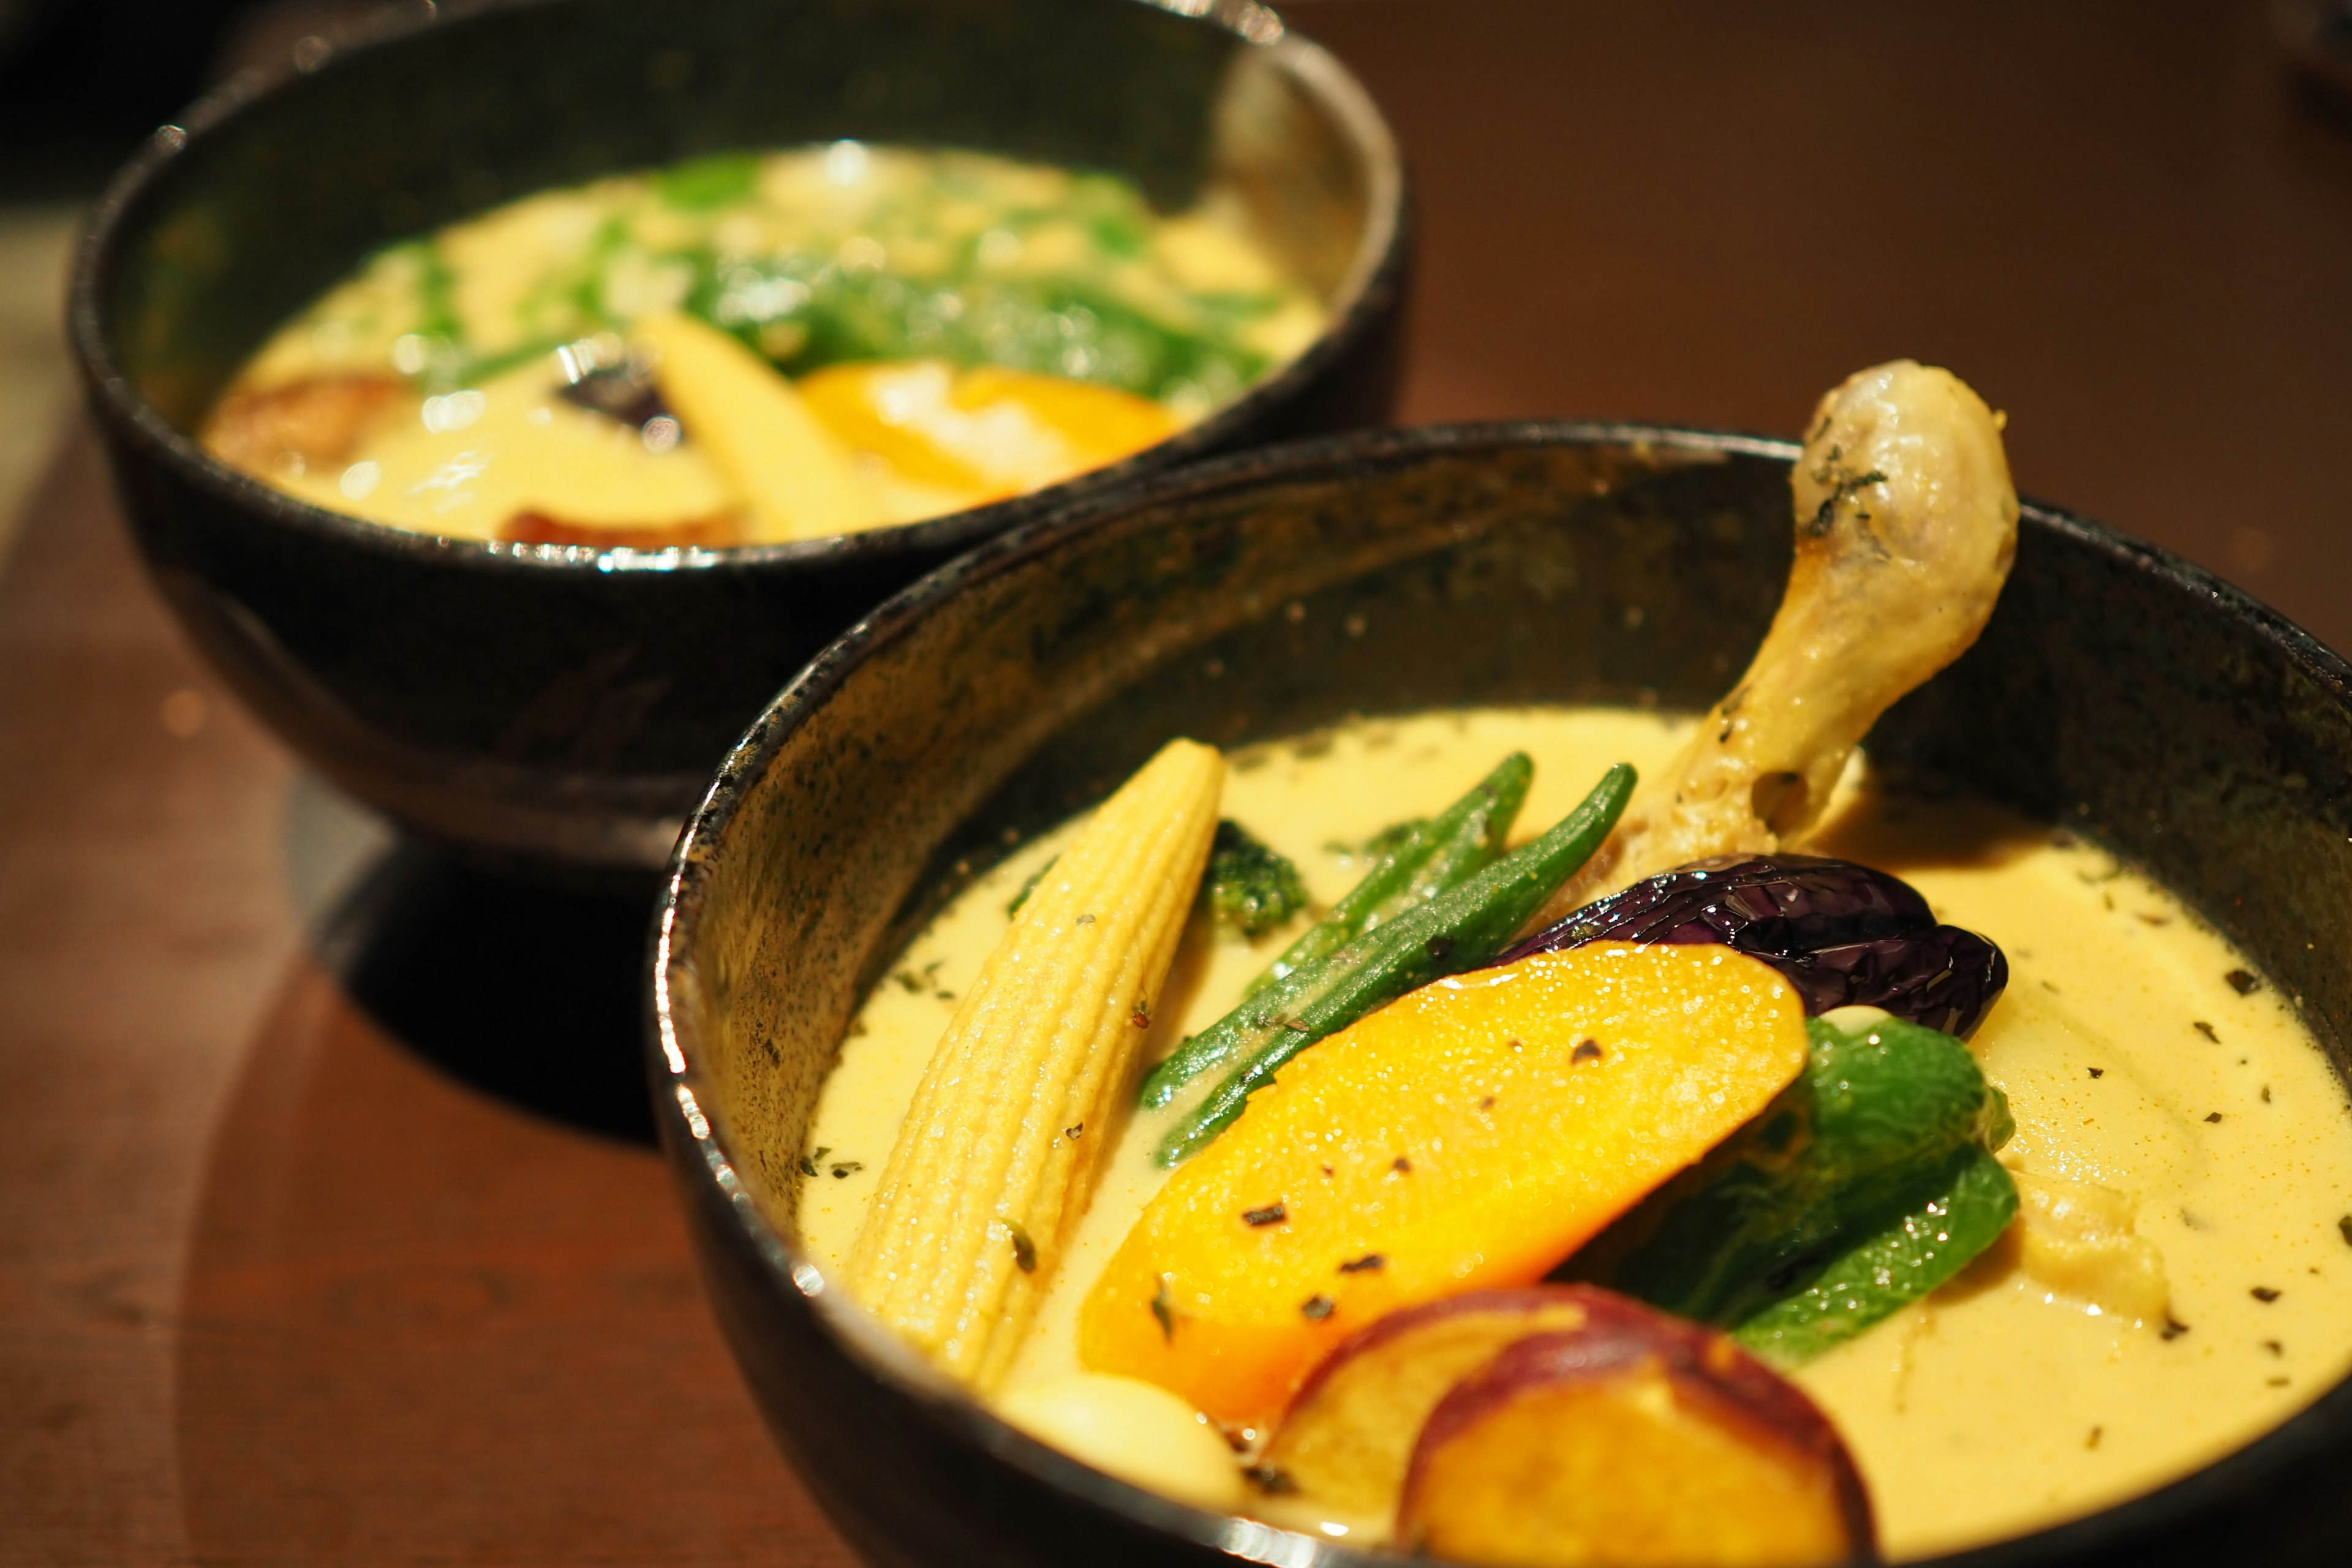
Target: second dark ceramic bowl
559	709
2117	690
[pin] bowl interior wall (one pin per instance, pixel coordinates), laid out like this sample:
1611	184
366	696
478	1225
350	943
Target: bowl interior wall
231	244
1275	139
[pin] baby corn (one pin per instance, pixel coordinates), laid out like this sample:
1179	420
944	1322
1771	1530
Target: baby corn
998	1156
793	472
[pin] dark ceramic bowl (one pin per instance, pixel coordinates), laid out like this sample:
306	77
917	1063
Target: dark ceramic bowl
2117	690
556	707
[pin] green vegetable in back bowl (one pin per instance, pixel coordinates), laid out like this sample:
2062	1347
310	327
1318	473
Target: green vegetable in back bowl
762	346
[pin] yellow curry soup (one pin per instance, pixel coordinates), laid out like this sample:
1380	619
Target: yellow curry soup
758	347
2168	1106
1653	1188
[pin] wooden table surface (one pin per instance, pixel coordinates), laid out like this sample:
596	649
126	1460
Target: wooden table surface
287	1272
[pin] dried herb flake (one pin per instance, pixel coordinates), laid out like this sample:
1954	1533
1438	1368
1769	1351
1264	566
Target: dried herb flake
1029	887
915	982
1269	1479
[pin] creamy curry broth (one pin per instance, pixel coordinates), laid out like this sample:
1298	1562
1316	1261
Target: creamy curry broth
2130	1056
958	327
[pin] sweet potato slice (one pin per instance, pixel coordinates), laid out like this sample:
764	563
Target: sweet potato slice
1346	1436
1467	1136
1637	1439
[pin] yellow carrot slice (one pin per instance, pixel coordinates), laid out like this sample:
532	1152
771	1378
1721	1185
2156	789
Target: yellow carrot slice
794	473
997	1156
1469	1135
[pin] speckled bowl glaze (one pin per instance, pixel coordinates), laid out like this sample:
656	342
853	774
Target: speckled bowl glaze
2117	690
559	709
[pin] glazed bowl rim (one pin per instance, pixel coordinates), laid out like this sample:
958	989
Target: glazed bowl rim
697	1142
1362	298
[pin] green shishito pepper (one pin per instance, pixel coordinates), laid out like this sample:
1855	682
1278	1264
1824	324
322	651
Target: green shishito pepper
1907	1257
1430	856
1461	928
1866	1183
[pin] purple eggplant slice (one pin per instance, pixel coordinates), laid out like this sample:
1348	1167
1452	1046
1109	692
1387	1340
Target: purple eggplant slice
1843	934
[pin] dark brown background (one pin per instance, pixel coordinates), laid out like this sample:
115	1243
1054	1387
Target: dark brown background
283	1277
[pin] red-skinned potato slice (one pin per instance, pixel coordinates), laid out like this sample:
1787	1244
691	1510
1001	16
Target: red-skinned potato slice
1349	1432
1636	1440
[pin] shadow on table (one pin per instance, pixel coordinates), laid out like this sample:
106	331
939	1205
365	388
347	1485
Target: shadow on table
522	992
418	1326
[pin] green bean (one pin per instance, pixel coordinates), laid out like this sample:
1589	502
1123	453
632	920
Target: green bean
1460	929
1456	845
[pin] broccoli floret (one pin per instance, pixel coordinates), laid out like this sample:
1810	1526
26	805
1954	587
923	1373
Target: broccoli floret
1252	890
